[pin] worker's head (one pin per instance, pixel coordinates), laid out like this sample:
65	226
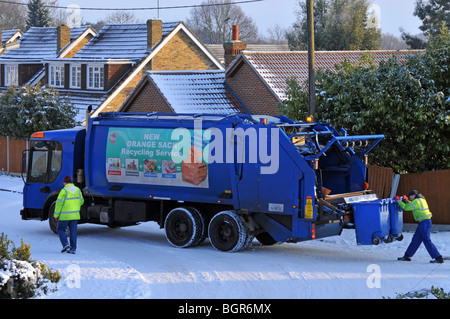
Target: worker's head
413	194
67	180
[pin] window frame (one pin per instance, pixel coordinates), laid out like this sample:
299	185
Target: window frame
55	69
8	72
75	75
95	77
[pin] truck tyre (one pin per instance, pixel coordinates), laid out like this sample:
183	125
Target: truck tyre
227	232
51	220
185	227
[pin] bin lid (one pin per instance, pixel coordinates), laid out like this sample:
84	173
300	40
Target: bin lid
360	198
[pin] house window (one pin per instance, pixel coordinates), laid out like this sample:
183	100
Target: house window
75	77
57	76
95	77
11	75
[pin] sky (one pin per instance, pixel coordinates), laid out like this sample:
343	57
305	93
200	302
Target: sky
392	14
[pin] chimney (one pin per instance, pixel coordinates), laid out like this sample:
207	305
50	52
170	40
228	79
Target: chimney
62	36
233	47
154	32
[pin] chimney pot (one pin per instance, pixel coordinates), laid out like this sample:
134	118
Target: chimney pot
235	36
234	47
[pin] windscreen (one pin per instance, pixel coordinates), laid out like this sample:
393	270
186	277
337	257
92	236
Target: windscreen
45	162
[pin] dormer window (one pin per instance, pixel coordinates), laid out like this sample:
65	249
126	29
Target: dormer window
95	77
11	75
56	76
75	76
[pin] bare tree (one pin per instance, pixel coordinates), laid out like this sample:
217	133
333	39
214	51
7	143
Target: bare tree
13	16
213	22
276	35
391	42
121	17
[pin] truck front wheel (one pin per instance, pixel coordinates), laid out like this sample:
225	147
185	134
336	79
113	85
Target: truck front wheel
185	227
51	220
227	232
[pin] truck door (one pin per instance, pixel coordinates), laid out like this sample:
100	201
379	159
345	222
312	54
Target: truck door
44	166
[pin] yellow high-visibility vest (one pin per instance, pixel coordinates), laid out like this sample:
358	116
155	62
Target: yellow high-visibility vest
69	202
419	207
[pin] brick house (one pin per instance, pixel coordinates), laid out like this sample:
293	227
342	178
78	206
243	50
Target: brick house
24	65
9	39
254	82
107	69
182	92
259	78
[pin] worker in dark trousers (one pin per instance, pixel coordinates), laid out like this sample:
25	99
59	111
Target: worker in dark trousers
416	203
67	214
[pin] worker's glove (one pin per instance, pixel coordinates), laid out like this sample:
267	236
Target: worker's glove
404	198
397	198
56	219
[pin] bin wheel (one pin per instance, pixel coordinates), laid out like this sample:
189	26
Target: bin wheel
227	232
400	238
389	239
376	240
185	227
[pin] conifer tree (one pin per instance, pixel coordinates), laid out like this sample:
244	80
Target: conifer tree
38	15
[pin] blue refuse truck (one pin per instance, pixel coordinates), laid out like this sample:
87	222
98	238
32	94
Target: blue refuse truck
229	178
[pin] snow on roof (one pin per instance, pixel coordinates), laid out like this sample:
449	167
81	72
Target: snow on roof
121	41
194	91
8	34
276	67
39	43
81	100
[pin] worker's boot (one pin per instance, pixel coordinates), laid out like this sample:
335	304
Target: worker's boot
404	258
437	260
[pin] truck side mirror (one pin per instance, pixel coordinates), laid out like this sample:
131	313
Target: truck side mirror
24	165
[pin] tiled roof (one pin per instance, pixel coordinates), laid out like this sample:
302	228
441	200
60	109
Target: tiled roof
218	51
194	91
120	41
81	100
276	67
39	43
7	34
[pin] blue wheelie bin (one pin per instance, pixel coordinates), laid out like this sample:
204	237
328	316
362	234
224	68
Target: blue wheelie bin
372	222
395	220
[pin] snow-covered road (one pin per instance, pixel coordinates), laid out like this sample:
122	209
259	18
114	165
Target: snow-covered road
138	262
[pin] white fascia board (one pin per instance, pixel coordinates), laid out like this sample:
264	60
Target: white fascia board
75	43
149	57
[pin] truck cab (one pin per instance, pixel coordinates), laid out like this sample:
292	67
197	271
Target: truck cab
51	156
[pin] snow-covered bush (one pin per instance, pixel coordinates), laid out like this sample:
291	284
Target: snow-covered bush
20	276
25	110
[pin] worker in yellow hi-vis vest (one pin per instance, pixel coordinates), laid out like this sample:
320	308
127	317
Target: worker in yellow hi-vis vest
67	214
416	203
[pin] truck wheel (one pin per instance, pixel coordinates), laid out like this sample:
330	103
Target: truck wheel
185	227
227	232
51	220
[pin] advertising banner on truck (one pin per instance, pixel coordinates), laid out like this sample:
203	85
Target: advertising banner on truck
152	156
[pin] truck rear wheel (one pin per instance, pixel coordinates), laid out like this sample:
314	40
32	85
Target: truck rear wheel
185	227
227	232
